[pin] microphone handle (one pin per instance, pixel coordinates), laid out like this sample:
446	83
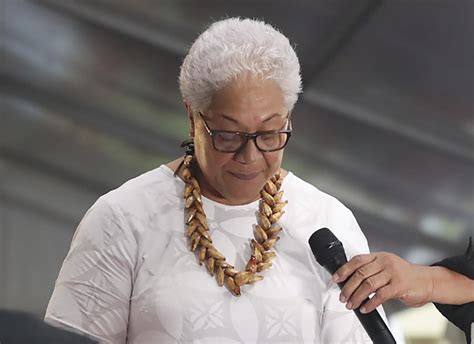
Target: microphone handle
374	325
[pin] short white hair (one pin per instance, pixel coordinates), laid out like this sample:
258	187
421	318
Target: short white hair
231	48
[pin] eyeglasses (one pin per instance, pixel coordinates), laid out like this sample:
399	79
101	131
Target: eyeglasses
234	141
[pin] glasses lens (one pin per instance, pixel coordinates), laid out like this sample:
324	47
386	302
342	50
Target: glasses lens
272	141
227	142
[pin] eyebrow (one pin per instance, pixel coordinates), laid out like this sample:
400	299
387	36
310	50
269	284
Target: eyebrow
224	116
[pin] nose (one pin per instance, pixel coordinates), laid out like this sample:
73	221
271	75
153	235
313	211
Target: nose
249	154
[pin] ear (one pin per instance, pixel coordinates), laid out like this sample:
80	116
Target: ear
190	119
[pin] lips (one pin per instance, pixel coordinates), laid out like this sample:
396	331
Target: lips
245	176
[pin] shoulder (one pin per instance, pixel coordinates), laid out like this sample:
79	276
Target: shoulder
308	196
120	216
151	187
310	209
132	206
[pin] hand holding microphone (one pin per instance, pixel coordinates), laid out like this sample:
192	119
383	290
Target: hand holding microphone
385	275
329	253
388	276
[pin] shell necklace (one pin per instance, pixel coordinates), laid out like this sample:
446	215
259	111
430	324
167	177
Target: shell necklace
266	233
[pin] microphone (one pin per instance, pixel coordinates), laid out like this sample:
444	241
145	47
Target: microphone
330	254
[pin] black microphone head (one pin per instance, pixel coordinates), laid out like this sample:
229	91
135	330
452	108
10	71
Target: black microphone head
327	249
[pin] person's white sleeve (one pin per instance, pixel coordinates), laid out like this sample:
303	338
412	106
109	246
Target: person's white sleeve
340	325
92	292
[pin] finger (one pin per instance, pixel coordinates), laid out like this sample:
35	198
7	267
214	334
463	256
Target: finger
358	277
352	265
382	295
368	286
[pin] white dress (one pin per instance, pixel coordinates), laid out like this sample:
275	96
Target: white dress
129	276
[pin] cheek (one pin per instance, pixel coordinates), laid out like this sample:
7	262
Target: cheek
274	161
210	160
217	161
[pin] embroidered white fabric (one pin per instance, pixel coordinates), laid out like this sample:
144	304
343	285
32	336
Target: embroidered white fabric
129	276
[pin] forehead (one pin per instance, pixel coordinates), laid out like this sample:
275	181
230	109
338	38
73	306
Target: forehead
248	100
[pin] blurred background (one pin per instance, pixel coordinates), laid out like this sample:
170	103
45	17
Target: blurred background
89	99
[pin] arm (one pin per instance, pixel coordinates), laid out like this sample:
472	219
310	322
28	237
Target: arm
450	287
460	315
92	292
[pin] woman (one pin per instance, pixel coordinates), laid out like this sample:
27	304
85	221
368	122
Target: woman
212	247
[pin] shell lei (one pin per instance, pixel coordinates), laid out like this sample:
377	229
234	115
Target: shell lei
265	233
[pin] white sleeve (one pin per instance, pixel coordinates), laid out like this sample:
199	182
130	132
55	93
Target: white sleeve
92	292
340	325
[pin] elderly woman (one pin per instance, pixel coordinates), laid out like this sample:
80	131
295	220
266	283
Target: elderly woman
212	247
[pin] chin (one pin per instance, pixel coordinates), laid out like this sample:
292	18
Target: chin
244	191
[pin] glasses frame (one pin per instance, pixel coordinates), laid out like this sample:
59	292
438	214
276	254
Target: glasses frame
248	136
